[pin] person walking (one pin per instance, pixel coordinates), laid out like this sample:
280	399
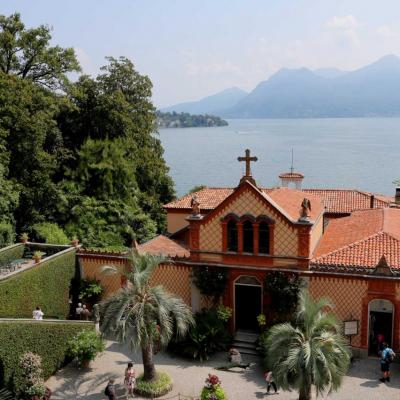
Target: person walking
130	380
78	311
270	382
387	358
37	314
85	313
110	391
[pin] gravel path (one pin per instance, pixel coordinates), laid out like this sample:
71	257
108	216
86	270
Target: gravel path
70	383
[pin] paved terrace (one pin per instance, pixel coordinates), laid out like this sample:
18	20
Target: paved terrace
70	383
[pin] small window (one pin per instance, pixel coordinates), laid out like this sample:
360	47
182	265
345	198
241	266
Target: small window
248	237
263	238
232	236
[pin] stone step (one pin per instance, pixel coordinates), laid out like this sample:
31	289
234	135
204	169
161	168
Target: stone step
247	351
249	337
244	345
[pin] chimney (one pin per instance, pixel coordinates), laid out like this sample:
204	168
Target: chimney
397	196
372	201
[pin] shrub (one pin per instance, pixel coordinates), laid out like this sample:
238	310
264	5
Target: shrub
47	285
212	389
209	335
156	388
90	290
50	233
86	345
49	340
29	377
211	281
7	234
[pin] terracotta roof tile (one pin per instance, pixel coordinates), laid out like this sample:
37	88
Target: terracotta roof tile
337	201
162	245
361	239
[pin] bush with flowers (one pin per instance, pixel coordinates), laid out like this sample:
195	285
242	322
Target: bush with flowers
212	389
29	383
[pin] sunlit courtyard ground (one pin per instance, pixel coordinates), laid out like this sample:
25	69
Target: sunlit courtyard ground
70	383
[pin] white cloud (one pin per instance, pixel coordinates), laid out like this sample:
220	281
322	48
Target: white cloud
386	31
346	22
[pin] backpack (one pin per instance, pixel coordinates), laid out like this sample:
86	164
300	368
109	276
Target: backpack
390	357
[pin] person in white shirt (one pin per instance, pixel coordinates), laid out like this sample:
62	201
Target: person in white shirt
37	314
78	311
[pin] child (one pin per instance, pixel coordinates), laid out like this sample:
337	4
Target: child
270	382
110	390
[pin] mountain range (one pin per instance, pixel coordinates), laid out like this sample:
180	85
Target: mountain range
371	91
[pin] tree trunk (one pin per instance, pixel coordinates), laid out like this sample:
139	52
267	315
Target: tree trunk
305	392
148	363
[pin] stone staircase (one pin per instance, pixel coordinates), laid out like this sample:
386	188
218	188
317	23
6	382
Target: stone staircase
245	342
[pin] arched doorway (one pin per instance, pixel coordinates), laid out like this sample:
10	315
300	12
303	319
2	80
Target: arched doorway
381	313
248	302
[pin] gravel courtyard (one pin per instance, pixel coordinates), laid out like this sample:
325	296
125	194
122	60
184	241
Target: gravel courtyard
71	383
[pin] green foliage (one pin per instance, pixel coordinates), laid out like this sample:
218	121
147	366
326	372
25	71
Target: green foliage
46	285
49	340
7	234
197	188
158	387
50	233
186	120
261	320
86	345
224	313
90	291
212	389
144	315
310	352
209	335
283	289
211	281
11	253
28	380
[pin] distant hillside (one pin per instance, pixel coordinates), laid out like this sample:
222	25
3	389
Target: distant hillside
186	120
212	104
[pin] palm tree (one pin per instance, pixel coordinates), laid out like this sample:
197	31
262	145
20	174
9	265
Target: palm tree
312	352
144	315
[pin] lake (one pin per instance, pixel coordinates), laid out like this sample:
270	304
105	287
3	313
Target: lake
331	153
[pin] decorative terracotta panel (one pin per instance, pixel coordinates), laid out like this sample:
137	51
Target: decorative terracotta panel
345	294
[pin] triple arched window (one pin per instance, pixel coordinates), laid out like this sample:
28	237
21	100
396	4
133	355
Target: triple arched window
247	234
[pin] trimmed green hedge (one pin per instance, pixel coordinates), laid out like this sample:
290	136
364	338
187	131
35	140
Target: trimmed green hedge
10	253
48	339
46	285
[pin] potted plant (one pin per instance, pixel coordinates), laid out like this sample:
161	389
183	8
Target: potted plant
85	346
24	237
75	241
37	256
212	389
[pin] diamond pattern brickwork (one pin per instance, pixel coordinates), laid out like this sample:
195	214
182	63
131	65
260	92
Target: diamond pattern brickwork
285	242
345	294
175	278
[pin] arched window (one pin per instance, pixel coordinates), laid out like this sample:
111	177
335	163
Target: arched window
248	237
232	236
263	238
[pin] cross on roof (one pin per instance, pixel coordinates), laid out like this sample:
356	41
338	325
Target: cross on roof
247	159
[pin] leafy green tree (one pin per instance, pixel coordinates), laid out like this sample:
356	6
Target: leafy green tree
143	315
27	53
50	233
312	352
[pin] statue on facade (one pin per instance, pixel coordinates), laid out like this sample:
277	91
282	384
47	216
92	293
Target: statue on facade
195	206
305	211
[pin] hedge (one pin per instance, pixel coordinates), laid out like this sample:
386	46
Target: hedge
46	338
46	284
10	253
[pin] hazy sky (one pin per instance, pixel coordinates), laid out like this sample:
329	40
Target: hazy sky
193	48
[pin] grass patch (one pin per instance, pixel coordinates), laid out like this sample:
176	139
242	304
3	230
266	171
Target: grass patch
160	386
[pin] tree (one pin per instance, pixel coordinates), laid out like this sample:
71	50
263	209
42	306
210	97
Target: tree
143	315
310	353
27	53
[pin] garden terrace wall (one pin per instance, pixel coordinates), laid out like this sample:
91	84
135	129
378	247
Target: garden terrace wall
10	253
47	338
46	284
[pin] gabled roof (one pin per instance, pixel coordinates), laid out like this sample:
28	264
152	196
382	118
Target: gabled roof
361	239
162	245
336	201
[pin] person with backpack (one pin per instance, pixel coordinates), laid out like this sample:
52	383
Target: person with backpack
386	359
110	391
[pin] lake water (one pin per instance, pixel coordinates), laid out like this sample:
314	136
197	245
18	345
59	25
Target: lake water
331	153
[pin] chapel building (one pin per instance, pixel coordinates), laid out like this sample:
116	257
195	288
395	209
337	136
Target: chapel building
345	244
